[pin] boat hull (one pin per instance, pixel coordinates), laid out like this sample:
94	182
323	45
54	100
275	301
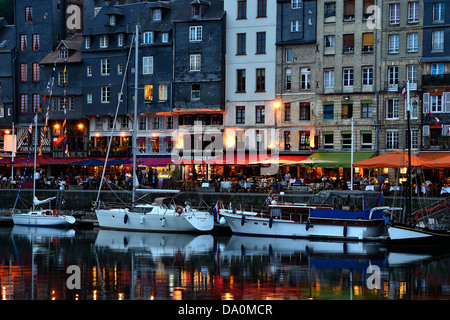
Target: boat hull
403	233
186	222
36	220
316	227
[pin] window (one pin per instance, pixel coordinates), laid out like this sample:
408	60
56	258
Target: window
413	12
165	37
35	72
414	108
241	43
260	114
348	77
195	33
328	110
147	37
287	140
367	76
28	14
89	98
330	41
35	103
346	137
119	68
393	43
260	42
438	11
240	114
392	109
23	72
170	123
296	26
163	88
328	78
303	140
148	92
366	109
414	138
142	123
367	45
328	140
147	65
105	94
296	4
305	78
349	10
411	73
260	80
63	53
391	139
394	13
103	41
156	14
393	76
155	123
287	112
413	42
195	92
349	43
105	67
23	42
436	103
112	20
240	80
242	9
87	42
288	80
437	68
437	41
195	10
195	62
305	111
120	40
35	42
288	55
23	103
347	110
262	9
366	139
330	9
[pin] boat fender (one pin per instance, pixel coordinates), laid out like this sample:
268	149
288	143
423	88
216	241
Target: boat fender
55	212
345	231
179	210
141	220
242	220
125	218
125	241
270	222
222	221
270	250
307	225
307	251
163	222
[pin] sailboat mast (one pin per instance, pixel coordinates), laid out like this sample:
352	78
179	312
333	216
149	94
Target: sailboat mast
35	147
408	141
135	114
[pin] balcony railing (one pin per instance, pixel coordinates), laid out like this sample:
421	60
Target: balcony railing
435	79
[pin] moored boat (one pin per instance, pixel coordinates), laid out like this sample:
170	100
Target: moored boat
330	214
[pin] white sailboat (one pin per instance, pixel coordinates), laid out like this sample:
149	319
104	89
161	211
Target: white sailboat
39	217
159	216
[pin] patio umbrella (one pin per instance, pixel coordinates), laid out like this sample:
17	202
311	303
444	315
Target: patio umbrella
395	159
274	160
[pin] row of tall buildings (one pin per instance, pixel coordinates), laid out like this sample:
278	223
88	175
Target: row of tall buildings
284	75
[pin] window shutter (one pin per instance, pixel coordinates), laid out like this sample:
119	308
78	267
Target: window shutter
426	131
162	146
447	101
426	103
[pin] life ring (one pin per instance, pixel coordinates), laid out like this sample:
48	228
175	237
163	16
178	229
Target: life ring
55	212
179	210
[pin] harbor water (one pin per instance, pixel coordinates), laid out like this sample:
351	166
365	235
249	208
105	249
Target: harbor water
61	264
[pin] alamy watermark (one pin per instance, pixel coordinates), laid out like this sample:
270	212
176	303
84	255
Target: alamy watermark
374	20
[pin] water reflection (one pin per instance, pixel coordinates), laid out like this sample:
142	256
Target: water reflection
158	266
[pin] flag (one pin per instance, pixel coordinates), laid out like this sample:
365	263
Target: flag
63	202
404	91
436	121
216	211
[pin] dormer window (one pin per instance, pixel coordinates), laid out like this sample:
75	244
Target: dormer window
112	20
195	11
63	53
157	15
148	37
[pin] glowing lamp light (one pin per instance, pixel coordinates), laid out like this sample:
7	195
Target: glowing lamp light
56	126
277	104
312	143
7	132
80	126
97	134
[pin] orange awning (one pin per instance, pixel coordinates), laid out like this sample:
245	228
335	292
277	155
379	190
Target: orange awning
395	159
